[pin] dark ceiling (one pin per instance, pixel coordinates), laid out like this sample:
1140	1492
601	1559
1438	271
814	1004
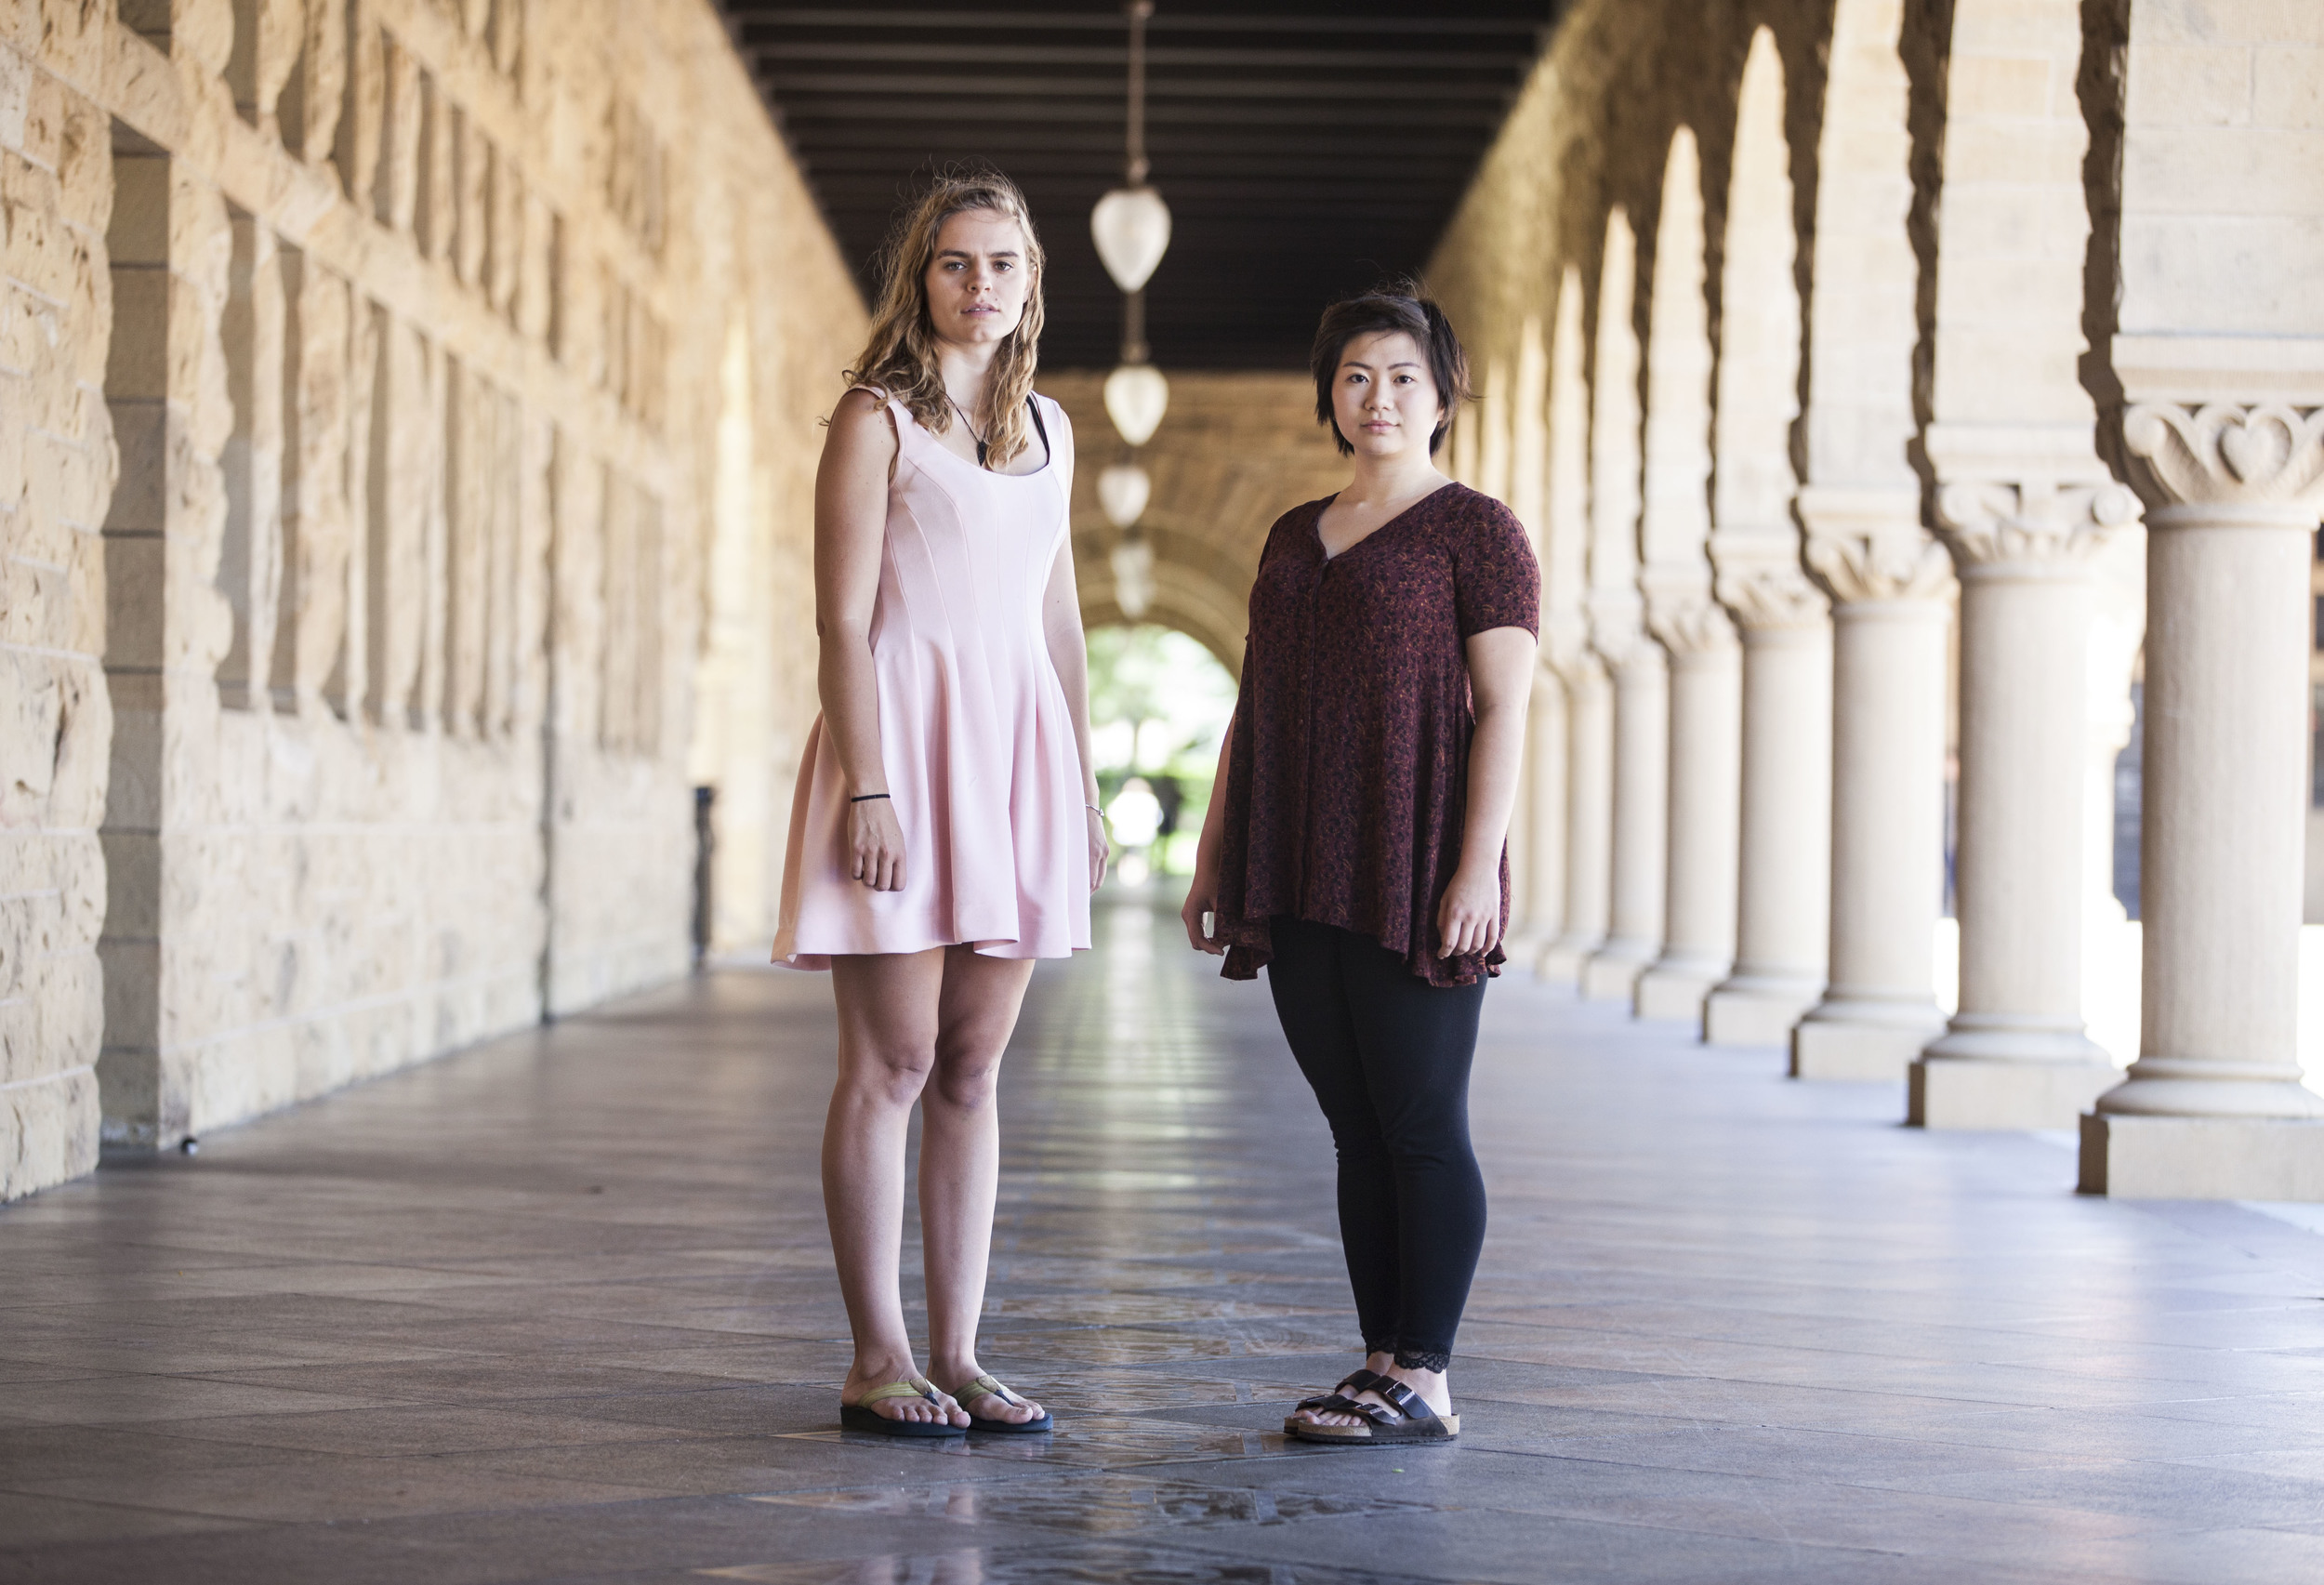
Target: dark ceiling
1306	147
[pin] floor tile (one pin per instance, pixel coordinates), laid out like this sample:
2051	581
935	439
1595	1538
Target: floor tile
562	1309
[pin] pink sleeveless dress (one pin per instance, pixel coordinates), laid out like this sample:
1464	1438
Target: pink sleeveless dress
975	736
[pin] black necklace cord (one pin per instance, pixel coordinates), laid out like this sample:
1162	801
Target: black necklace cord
971	428
866	798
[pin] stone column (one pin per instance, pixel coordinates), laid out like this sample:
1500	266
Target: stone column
1588	818
1889	583
2213	1108
1706	730
1639	812
2024	521
1784	867
1544	918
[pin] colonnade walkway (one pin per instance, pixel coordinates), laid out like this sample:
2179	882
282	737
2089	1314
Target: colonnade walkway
562	1309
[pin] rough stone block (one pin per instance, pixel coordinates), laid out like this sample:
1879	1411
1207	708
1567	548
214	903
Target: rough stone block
48	1132
2202	1158
2000	89
44	117
2288	87
2227	21
16	99
2189	86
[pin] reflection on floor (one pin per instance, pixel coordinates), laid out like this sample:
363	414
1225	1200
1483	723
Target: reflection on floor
560	1309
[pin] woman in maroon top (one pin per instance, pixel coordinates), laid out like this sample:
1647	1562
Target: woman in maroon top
1355	845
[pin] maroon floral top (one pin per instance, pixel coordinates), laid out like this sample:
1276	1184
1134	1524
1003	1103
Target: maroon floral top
1346	785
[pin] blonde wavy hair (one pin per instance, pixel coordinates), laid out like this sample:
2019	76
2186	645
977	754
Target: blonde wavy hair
901	356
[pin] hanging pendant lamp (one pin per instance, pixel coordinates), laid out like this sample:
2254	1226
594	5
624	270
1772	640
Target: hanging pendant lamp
1131	227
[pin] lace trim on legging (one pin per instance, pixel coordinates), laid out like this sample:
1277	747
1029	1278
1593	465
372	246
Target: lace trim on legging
1408	1359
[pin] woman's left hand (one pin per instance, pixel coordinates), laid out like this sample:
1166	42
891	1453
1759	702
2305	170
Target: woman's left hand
1101	851
1469	918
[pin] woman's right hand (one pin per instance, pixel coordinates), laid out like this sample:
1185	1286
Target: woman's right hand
875	841
1201	898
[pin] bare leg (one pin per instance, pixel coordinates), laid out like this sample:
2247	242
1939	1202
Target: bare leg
960	1161
888	1023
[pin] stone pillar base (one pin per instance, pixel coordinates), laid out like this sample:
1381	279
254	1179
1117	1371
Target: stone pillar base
1830	1045
1971	1093
2202	1159
1561	961
1676	990
1746	1013
1611	974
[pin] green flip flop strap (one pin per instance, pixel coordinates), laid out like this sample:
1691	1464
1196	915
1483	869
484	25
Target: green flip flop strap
985	1387
897	1389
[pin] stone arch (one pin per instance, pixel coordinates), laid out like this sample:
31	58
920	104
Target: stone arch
1863	320
1614	444
1566	638
1493	439
1528	430
1674	536
1784	795
1618	632
1675	521
1186	597
1759	317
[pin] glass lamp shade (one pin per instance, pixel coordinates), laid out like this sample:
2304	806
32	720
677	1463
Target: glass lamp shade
1131	227
1133	577
1123	491
1136	397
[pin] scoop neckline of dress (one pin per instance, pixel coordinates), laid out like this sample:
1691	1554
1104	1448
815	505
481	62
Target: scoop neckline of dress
1049	458
1315	528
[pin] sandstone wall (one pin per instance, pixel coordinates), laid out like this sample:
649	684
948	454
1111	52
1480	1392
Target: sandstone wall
381	377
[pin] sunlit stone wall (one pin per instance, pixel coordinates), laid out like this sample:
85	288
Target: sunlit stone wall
378	381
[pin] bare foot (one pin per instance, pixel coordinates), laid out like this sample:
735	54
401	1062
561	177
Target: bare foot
914	1409
988	1406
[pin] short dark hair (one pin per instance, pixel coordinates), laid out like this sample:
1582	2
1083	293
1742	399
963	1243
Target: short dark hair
1385	309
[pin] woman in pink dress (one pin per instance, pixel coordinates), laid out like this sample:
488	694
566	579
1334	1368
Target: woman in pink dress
945	833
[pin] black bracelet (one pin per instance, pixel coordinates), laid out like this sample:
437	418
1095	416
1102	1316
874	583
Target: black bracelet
866	798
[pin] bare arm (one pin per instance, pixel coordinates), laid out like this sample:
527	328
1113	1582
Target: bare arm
1203	896
1069	653
1500	678
851	525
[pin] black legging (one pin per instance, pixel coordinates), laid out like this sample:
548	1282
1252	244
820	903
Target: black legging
1388	1055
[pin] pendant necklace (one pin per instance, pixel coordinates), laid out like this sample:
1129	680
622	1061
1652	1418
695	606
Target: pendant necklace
971	428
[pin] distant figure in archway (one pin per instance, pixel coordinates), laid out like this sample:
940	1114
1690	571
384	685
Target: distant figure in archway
1357	848
945	833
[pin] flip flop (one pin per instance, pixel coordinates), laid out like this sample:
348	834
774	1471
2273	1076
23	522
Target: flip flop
1334	1402
1407	1418
862	1417
988	1387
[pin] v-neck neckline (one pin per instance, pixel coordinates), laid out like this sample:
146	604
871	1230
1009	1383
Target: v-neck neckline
1049	454
1316	527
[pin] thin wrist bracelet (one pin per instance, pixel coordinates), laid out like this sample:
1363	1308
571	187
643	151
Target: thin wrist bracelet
1096	811
865	798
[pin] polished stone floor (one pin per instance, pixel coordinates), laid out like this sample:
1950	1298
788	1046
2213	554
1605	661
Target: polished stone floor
560	1309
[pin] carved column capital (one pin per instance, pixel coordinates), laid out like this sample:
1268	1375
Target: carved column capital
2227	452
1618	628
1988	521
1565	647
1867	544
1761	582
1681	614
2024	495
